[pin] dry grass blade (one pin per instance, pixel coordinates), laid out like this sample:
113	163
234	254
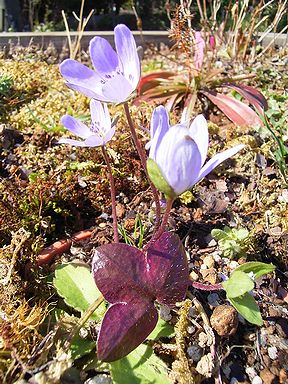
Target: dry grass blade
74	47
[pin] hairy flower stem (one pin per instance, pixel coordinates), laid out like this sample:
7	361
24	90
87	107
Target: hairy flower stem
163	225
113	194
143	159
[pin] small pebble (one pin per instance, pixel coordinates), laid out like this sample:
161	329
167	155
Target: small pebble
263	337
267	376
283	376
104	216
209	261
250	336
202	339
257	380
99	379
194	276
213	299
217	258
205	365
209	275
165	313
251	372
212	243
191	329
195	353
192	312
224	320
233	264
272	352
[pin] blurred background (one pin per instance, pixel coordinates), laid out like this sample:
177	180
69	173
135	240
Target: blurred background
45	15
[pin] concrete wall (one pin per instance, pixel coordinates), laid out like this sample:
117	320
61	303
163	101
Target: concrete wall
59	39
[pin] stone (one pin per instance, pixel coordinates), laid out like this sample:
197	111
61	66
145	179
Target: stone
257	380
224	320
195	352
129	224
120	210
209	261
267	376
209	275
283	376
202	339
194	276
205	366
213	299
272	352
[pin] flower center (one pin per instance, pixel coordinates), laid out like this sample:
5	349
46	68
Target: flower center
111	75
97	129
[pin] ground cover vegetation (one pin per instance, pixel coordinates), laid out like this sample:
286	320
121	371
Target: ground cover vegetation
144	211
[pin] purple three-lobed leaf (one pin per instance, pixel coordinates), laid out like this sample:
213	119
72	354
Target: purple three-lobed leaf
132	280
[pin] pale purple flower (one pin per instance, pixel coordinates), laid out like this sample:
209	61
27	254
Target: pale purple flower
97	134
180	151
115	75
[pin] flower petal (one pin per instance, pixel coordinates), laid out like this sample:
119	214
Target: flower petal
81	78
89	92
117	89
109	134
94	141
179	159
218	159
159	127
75	126
75	143
199	133
100	114
126	50
103	56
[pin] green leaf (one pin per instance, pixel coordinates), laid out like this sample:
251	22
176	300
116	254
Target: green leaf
141	366
76	285
248	308
158	179
162	329
259	269
238	284
241	233
218	234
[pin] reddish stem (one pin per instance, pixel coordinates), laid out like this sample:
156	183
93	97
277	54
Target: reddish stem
206	287
143	159
163	225
165	218
113	194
